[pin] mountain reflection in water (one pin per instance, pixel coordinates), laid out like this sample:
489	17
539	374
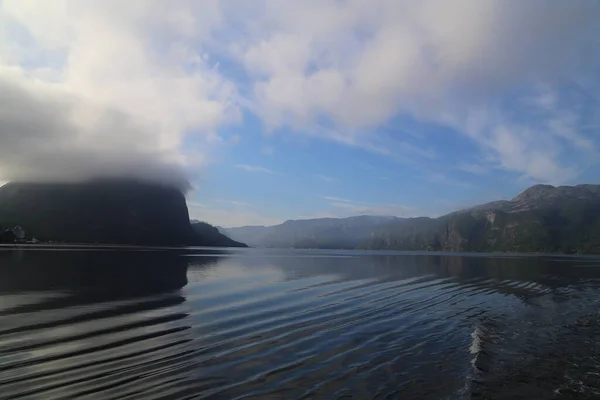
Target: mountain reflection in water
225	324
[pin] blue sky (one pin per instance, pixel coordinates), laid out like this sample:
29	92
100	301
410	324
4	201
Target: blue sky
279	110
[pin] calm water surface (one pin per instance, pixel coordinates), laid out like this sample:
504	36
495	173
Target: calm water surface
250	324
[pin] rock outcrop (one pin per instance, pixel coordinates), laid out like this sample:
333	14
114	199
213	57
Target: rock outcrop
103	211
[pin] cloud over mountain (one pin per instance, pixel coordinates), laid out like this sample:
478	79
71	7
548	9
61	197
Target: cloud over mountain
104	88
48	134
149	88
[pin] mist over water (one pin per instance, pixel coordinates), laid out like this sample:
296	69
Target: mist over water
223	324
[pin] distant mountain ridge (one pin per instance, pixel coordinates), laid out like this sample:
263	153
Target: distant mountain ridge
540	196
345	233
111	211
543	218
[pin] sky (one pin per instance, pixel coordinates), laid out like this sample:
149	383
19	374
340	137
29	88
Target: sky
270	110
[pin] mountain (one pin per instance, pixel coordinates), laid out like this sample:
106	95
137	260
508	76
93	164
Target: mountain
211	236
543	218
104	211
343	233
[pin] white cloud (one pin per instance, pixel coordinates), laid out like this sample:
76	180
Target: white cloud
48	133
325	178
533	148
256	168
328	68
517	152
117	81
357	64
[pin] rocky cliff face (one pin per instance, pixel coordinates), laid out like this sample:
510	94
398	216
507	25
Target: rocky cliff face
543	218
101	211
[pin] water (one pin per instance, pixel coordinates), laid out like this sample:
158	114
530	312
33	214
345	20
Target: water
249	324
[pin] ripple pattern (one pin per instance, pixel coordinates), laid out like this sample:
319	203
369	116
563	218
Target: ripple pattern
244	326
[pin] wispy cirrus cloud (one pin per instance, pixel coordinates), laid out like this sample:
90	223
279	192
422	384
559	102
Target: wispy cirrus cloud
230	217
235	203
476	169
197	205
338	199
345	207
325	178
257	168
268	150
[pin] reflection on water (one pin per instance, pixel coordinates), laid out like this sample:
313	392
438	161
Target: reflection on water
201	323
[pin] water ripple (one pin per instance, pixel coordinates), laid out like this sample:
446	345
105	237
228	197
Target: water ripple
164	325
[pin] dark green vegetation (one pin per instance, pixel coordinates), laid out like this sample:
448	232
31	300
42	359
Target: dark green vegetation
105	211
543	218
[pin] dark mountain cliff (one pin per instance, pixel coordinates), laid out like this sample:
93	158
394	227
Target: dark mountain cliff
103	211
210	236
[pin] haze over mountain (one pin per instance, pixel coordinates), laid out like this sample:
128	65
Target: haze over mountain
543	218
327	233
